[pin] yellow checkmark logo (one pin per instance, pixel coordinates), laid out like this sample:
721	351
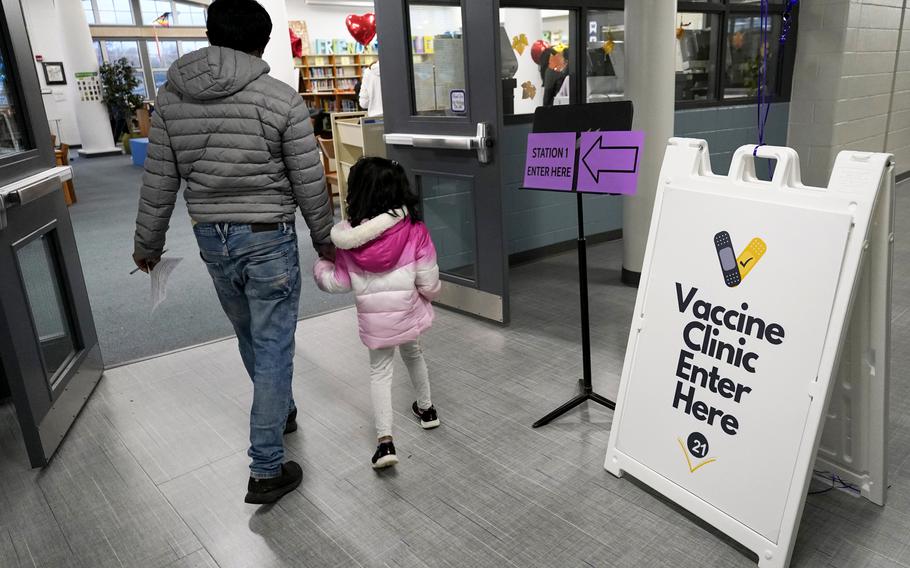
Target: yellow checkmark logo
696	467
747	259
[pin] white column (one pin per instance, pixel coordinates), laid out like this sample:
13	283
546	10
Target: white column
92	117
278	52
650	85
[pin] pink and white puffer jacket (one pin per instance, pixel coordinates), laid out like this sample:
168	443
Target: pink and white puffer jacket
390	264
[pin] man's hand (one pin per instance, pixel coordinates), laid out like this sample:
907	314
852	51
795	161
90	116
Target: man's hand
326	252
146	264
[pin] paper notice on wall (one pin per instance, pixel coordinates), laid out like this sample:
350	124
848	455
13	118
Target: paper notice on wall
89	86
159	278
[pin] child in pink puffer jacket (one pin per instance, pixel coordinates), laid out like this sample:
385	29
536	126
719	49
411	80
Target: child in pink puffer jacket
385	255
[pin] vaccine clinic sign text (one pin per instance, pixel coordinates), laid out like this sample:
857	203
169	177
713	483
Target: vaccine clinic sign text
734	310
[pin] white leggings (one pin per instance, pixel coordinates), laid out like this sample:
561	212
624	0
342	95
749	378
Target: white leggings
381	382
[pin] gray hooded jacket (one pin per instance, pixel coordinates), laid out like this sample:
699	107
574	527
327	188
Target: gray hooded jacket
241	140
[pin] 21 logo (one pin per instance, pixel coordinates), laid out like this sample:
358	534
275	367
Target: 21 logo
696	445
736	268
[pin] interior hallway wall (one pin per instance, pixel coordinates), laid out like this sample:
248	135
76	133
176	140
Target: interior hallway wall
898	138
278	51
846	94
323	21
45	35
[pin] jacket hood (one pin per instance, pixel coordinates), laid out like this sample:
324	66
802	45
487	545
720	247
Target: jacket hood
215	72
375	245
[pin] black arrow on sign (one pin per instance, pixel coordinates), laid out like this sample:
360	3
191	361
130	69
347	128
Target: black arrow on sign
603	159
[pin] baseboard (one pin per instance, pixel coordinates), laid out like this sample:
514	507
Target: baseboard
630	277
100	153
903	176
527	256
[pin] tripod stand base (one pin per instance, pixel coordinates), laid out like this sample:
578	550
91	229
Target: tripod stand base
592	396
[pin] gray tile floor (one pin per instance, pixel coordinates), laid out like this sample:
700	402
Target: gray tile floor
153	473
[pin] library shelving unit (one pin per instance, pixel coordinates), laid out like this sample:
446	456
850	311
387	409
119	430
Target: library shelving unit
327	81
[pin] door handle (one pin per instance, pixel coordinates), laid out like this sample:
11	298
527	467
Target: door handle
33	192
482	142
31	189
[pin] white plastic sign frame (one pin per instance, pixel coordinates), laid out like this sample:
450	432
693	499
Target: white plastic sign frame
854	442
755	489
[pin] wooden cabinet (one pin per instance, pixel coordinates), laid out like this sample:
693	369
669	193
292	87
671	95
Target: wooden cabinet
355	135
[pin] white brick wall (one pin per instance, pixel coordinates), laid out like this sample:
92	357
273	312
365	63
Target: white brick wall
898	138
846	94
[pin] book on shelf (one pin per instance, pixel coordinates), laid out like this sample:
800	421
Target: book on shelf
321	85
344	84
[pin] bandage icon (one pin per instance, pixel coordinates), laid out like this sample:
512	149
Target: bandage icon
727	257
747	259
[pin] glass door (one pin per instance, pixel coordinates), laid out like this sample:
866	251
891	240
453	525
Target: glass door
442	127
49	356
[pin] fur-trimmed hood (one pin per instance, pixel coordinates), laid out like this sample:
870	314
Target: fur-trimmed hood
375	244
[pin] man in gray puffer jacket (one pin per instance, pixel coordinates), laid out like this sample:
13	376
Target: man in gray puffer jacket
243	143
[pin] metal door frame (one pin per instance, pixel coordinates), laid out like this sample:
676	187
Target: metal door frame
45	412
14	38
488	294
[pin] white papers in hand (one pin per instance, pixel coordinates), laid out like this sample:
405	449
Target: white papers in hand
159	277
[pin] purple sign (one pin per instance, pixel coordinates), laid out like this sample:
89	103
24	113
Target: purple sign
610	161
550	161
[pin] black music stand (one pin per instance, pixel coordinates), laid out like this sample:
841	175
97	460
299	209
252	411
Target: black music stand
581	118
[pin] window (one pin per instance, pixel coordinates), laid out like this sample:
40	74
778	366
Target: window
718	53
154	74
153	9
717	50
535	46
437	54
14	134
113	12
99	54
189	14
116	49
89	11
161	56
744	51
193	45
696	56
605	62
182	13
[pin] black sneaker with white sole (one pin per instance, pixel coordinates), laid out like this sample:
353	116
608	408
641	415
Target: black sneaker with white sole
290	424
385	456
428	417
265	491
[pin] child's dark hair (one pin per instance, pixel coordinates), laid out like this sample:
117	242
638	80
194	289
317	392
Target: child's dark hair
243	25
377	186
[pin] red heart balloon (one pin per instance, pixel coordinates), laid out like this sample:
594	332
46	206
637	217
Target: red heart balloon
537	49
362	28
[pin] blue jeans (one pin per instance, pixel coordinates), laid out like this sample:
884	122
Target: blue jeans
257	277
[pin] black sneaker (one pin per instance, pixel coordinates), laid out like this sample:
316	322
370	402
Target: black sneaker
291	424
428	417
385	456
264	491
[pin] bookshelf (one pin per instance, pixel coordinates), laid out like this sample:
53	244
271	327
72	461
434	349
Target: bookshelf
327	81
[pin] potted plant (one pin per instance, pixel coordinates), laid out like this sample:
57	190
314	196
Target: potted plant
119	82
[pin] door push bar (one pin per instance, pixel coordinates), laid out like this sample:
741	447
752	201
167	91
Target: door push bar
31	189
482	142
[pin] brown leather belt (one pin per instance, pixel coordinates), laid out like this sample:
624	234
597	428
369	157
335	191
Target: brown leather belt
263	227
